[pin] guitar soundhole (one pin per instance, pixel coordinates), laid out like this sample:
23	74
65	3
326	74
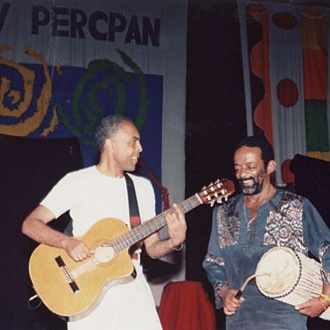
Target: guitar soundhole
104	254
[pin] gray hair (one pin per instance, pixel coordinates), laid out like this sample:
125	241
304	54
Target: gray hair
107	128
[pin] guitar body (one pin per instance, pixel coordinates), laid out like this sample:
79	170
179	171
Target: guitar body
50	267
68	287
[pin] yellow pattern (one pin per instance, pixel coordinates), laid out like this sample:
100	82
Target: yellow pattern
30	124
319	155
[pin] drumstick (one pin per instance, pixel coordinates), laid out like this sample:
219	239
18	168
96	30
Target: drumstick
240	291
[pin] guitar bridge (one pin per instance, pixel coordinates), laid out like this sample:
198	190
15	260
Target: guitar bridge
67	274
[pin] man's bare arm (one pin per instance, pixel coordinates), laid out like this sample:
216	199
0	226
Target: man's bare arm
35	226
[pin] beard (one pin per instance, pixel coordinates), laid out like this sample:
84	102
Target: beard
251	190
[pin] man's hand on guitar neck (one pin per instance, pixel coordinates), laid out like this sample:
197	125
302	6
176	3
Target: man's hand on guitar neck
177	227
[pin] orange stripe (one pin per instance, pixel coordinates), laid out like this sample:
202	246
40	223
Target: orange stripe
315	74
313	26
260	66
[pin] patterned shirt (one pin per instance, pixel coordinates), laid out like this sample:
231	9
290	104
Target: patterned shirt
237	244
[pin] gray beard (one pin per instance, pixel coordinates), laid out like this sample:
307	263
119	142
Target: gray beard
253	190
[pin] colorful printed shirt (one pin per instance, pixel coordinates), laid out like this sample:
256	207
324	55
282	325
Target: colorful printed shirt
237	244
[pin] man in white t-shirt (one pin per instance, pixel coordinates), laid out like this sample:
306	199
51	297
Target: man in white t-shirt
98	192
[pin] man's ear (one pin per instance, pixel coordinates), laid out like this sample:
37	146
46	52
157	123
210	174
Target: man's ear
271	166
108	143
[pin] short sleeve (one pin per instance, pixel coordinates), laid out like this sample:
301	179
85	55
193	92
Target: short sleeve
59	199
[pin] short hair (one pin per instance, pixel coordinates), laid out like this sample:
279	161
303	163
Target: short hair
107	128
258	141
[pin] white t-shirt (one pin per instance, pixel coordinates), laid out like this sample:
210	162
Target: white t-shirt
91	196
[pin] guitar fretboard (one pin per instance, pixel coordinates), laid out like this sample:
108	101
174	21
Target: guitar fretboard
148	227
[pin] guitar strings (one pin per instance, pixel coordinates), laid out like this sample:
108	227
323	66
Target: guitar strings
128	239
87	265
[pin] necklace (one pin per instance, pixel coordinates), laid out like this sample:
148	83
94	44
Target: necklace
245	216
250	226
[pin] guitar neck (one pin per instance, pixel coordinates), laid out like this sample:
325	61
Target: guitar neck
148	227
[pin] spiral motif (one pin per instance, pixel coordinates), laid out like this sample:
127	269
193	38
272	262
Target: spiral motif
19	115
103	89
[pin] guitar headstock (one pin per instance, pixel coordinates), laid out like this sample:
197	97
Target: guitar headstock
217	191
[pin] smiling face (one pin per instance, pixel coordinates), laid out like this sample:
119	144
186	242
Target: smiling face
250	170
125	147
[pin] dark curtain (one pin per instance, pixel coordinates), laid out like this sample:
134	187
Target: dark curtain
312	180
28	169
215	117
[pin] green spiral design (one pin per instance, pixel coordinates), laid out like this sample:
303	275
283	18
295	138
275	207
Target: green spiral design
86	116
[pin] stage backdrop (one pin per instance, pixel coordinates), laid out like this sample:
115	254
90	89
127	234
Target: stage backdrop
285	57
66	64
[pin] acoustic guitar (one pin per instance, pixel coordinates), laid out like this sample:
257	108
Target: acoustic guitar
68	287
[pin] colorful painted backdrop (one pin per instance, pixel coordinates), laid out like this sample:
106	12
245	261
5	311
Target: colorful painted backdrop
286	51
66	64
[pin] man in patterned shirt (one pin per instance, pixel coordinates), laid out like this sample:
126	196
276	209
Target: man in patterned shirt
253	222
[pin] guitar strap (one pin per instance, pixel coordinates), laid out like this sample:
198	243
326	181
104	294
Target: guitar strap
134	217
134	214
150	266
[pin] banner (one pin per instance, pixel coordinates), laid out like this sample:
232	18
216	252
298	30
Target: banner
285	49
64	65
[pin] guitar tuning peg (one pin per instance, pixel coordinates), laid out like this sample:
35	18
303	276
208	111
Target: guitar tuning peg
212	203
220	200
